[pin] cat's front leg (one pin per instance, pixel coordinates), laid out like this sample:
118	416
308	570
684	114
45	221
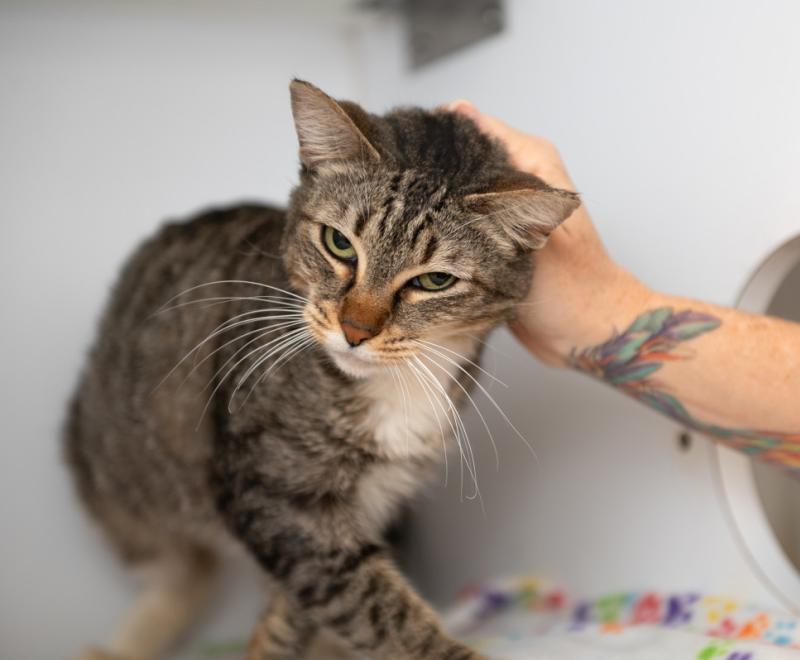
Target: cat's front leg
341	582
360	595
284	632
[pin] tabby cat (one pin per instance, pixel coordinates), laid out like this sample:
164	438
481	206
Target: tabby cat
300	385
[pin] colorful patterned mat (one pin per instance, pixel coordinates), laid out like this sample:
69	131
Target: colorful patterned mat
526	619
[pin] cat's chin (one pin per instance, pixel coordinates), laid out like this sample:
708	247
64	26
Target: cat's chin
357	362
353	365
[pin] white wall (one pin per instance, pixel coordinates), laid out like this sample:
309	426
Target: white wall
113	117
679	123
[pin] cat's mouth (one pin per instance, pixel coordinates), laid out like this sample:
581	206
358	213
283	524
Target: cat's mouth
359	366
358	362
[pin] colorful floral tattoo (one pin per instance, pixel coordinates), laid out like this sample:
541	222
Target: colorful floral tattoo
630	358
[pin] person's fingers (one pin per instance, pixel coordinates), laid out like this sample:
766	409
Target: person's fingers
464	107
486	123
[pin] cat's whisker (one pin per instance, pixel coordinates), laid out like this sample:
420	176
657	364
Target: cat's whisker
406	398
479	340
435	346
285	351
221	328
271	342
236	321
487	344
467	452
435	386
279	313
274	304
288	354
395	371
260	251
221	300
287	340
275	327
425	389
232	322
470	462
295	348
474	405
392	369
233	368
246	282
446	406
227	326
491	400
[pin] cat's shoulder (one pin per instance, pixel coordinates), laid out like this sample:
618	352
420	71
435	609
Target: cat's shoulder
215	228
229	217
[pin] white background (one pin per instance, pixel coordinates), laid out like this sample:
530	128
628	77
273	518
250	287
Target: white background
678	121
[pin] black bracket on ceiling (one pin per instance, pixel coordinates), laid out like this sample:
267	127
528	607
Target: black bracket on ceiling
436	28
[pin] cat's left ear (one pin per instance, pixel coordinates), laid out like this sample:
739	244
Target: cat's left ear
524	209
327	130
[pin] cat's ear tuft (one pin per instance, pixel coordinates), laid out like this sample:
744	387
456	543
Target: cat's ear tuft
524	209
327	130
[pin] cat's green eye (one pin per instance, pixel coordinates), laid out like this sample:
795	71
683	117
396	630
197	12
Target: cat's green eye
433	281
338	244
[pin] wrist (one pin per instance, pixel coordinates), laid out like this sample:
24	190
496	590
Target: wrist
612	302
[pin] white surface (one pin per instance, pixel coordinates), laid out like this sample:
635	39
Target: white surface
679	123
114	117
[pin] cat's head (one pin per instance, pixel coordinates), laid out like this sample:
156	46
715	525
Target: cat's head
406	228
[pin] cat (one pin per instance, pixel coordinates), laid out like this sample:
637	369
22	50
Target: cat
297	388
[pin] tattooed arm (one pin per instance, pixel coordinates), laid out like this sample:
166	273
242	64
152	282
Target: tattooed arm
728	374
732	375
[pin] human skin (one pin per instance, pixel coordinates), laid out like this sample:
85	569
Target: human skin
727	373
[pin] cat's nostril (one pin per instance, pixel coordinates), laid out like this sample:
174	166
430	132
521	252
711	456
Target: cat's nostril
356	334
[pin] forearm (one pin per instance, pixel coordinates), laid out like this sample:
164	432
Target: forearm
726	373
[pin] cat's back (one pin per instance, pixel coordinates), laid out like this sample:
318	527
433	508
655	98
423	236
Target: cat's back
129	426
186	253
154	306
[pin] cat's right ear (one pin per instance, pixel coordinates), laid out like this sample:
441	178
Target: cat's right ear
325	130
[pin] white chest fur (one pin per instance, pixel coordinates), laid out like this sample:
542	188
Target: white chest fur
383	489
409	415
411	419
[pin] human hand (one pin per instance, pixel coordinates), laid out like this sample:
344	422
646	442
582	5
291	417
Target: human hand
577	290
741	375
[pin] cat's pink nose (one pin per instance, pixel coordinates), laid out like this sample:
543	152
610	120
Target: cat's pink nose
356	333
